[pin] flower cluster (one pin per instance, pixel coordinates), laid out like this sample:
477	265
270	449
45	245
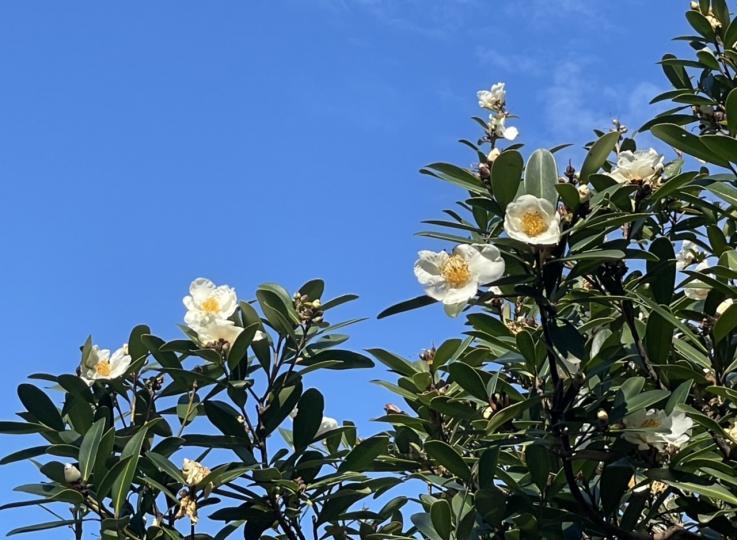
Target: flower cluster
495	101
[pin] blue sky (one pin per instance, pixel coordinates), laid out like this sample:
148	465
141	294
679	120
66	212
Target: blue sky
143	144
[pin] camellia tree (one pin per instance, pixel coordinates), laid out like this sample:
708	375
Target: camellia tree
594	394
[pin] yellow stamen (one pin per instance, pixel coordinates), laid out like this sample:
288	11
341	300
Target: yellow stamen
211	305
456	271
650	423
533	223
102	368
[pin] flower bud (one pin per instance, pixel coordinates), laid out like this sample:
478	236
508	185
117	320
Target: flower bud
71	474
602	415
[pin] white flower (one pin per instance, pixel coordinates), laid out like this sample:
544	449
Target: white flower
724	306
207	303
497	127
101	366
640	166
71	474
532	220
657	429
454	279
327	424
572	366
494	98
697	289
194	472
217	331
584	193
493	155
690	252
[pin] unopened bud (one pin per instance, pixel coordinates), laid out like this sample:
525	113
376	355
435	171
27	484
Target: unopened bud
602	415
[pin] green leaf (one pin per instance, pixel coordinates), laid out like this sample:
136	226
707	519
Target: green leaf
506	174
88	448
658	338
724	191
541	176
731	103
40	406
662	274
615	479
469	379
395	363
676	74
678	396
700	24
313	289
407	305
645	399
278	308
131	452
723	146
569	194
725	324
26	453
541	461
455	175
687	142
42	527
362	456
308	419
487	467
21	428
166	466
440	516
598	154
448	457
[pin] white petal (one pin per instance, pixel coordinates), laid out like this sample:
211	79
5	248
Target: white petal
454	309
510	133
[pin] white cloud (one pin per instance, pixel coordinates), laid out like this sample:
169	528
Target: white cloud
508	62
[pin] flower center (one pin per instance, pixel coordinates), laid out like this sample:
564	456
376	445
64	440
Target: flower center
533	223
651	423
211	305
456	271
102	368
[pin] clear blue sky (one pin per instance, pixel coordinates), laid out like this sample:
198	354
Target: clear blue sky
143	144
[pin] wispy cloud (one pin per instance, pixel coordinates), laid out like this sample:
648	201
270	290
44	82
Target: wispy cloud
574	104
509	62
430	18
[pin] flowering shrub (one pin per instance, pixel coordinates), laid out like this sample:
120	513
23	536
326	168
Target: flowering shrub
594	394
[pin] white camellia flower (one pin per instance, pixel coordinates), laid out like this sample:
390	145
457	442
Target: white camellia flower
690	252
724	306
640	166
217	331
697	289
327	424
497	127
71	473
100	365
207	303
532	220
454	279
657	429
494	98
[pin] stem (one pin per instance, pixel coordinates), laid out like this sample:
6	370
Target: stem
78	530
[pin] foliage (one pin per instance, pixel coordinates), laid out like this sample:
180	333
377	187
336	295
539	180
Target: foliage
594	394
